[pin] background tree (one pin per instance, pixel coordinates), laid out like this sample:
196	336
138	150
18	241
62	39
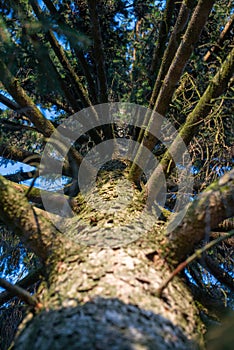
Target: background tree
59	57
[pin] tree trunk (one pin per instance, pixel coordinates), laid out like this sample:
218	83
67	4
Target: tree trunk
102	275
104	298
103	295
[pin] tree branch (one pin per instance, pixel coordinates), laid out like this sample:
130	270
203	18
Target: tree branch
29	108
172	77
227	29
162	38
210	208
174	41
215	269
26	282
98	52
15	153
9	103
33	113
183	53
79	54
61	55
20	293
216	87
12	126
34	230
20	176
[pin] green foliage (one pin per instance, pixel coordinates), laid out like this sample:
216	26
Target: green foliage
130	33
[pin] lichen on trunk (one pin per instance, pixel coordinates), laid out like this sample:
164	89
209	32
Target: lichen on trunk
97	296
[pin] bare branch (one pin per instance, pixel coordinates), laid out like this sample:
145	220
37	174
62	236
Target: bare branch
19	292
26	282
227	29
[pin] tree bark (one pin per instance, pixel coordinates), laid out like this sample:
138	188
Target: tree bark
105	300
95	296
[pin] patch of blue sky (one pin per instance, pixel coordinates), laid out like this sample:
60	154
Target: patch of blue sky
49	113
48	183
52	182
15	275
131	20
13	167
5	93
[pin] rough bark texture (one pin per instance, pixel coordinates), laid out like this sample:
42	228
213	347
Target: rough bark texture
101	297
99	293
105	299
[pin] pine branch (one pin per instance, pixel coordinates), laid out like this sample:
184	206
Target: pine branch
79	54
174	42
21	293
61	55
42	124
191	36
162	38
216	202
197	255
22	99
98	52
217	87
172	77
